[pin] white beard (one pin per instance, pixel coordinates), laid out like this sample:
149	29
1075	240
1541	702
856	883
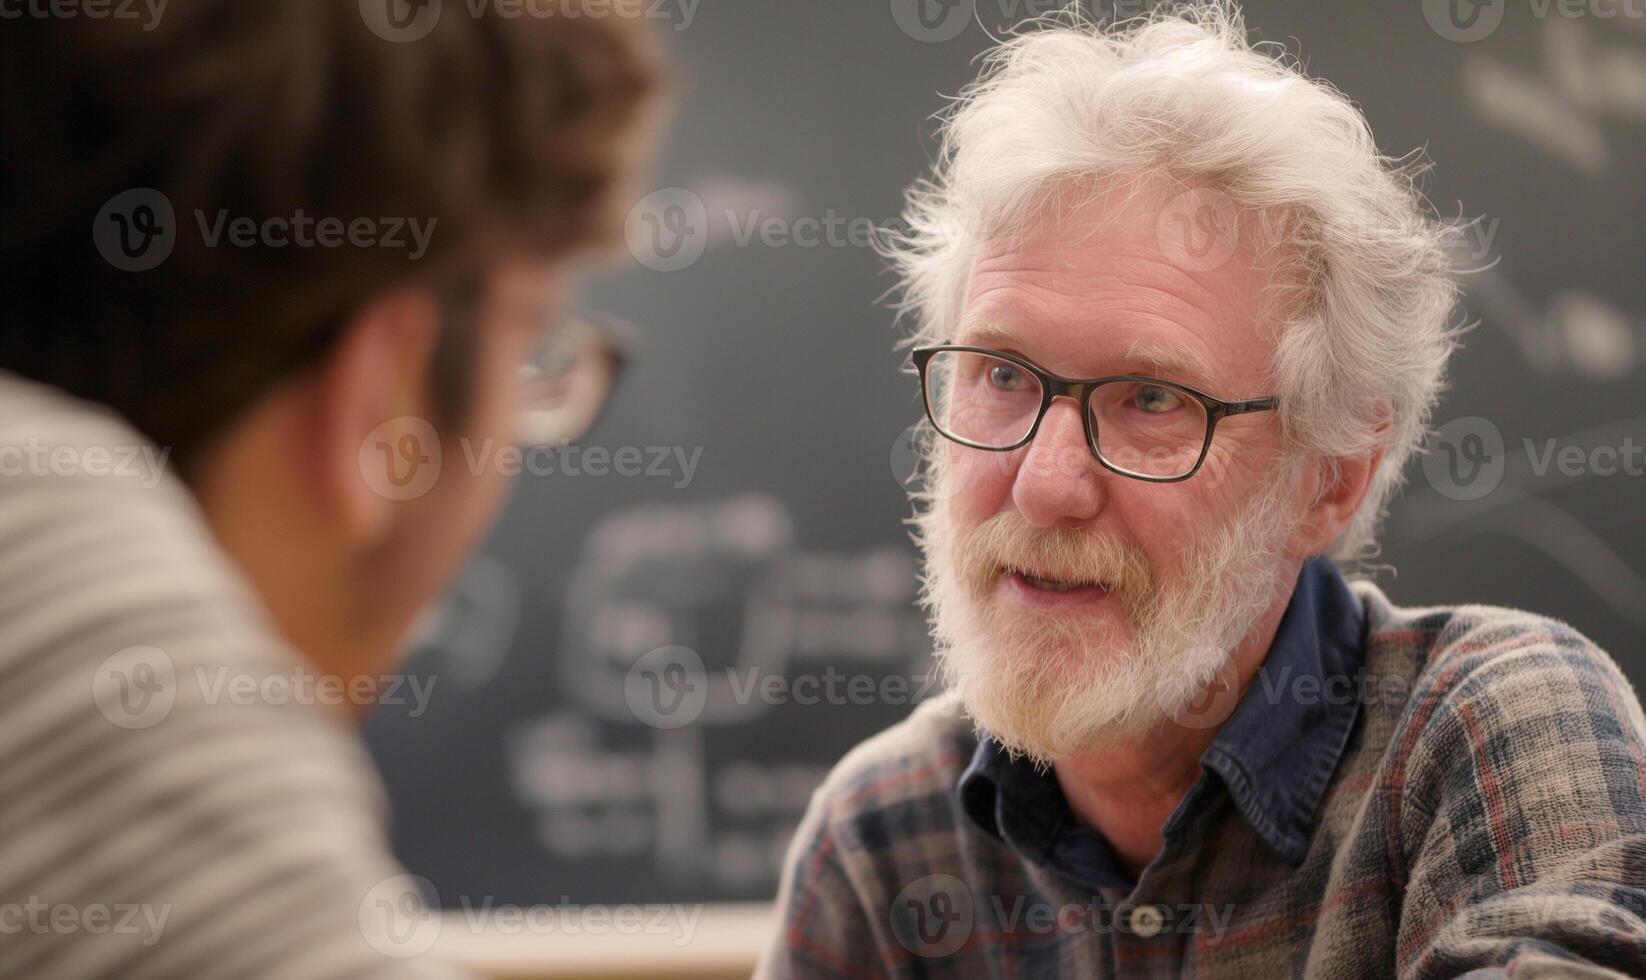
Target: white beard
1052	686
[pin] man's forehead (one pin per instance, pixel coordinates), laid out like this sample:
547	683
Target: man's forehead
1109	302
1151	233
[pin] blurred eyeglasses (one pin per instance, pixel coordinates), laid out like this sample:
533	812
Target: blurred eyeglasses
1136	425
567	380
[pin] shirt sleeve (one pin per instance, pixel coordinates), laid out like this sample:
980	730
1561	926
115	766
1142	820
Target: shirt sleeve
1522	819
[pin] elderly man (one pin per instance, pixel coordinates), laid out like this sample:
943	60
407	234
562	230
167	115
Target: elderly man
1181	328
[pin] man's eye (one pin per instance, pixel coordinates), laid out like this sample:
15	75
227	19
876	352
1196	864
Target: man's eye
1157	400
1007	377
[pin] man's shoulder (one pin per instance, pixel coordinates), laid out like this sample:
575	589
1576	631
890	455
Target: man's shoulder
1524	695
1483	651
915	763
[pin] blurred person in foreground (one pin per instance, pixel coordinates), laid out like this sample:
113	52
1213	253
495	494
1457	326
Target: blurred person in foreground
265	265
1180	328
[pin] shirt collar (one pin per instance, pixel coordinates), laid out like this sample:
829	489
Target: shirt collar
1274	755
1277	751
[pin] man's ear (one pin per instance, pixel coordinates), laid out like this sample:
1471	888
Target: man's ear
371	394
1343	484
1341	487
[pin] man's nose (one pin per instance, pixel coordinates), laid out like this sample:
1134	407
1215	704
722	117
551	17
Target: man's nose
1059	480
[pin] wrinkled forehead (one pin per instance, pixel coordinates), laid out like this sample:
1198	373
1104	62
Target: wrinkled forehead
1141	277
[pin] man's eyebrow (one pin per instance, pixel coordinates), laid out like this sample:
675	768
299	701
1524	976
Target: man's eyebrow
1171	361
982	333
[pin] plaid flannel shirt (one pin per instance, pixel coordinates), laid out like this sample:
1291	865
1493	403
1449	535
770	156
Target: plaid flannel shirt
1484	813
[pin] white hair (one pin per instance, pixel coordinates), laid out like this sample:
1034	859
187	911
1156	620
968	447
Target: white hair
1363	291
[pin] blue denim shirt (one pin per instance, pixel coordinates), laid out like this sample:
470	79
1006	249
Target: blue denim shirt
1273	756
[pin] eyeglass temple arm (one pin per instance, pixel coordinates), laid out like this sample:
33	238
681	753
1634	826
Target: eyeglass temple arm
1250	405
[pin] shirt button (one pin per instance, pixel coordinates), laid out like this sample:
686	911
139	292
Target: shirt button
1147	921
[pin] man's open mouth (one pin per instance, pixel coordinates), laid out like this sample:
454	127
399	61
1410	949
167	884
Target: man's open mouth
1053	583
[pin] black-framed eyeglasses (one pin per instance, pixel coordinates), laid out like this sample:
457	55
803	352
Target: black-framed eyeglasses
1136	425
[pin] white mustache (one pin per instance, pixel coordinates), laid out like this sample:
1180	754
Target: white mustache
1008	542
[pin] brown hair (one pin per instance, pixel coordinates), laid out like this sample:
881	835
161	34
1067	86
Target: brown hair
500	136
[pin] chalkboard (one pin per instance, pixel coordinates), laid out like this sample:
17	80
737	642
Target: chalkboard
737	519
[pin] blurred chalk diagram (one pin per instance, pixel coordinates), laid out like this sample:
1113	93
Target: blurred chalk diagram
664	577
1582	85
1561	106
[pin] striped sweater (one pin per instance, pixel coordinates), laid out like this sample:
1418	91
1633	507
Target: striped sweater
149	827
1486	819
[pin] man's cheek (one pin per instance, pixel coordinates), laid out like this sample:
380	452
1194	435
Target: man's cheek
978	481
